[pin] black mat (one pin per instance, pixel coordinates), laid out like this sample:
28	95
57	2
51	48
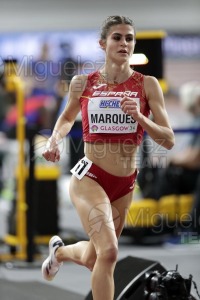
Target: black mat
10	290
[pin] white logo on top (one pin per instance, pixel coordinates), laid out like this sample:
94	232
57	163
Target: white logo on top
95	87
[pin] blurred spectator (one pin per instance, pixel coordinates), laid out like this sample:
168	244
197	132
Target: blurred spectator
44	71
182	174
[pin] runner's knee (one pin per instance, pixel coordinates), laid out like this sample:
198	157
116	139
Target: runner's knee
108	254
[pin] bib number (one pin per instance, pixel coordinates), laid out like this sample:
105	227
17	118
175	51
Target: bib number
81	168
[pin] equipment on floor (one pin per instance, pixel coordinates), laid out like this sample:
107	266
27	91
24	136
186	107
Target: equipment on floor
168	285
143	279
129	277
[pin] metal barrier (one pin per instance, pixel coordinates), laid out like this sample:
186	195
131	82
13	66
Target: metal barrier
23	240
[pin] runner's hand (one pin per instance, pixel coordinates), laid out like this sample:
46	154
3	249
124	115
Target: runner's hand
129	106
51	152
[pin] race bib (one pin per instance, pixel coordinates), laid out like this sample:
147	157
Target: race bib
81	168
105	116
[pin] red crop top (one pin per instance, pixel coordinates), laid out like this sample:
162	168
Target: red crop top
102	118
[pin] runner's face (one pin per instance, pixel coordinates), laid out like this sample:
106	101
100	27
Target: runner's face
120	42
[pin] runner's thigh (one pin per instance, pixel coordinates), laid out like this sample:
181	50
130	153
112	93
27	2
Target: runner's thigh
94	209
